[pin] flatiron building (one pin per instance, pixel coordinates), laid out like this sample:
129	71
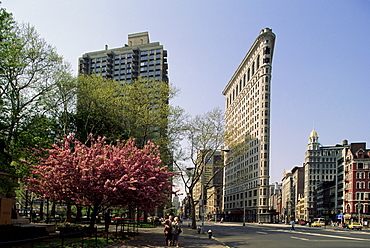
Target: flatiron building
247	119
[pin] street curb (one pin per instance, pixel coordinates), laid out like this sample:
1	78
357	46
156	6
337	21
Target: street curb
222	243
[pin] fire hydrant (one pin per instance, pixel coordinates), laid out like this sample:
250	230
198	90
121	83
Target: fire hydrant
209	234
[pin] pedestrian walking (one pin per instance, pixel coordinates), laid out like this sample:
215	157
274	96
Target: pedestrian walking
292	223
176	230
168	230
107	220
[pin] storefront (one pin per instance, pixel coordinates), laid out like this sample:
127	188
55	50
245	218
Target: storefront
360	218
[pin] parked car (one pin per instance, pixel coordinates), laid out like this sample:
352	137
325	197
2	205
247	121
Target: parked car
302	222
355	225
316	224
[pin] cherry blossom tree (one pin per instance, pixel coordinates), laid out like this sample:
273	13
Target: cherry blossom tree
102	174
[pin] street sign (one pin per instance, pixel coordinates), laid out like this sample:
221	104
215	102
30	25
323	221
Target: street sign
339	216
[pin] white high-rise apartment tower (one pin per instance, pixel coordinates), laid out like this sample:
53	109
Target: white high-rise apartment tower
247	118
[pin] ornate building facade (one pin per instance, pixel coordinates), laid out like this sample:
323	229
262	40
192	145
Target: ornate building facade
356	202
320	166
247	120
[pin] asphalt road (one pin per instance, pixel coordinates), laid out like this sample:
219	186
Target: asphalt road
236	235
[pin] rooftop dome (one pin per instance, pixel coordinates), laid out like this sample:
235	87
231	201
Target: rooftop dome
313	133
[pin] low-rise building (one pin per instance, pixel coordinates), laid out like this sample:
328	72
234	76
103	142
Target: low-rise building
275	201
212	182
293	188
356	204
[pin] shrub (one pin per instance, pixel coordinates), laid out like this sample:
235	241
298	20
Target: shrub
12	233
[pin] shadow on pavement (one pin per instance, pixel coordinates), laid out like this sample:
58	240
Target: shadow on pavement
154	237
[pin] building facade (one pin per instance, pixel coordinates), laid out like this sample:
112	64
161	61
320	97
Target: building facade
275	201
139	57
336	183
176	203
320	166
247	119
292	192
356	205
212	182
287	204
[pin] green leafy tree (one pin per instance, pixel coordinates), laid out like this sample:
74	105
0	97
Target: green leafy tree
147	114
64	93
137	110
30	73
7	34
99	108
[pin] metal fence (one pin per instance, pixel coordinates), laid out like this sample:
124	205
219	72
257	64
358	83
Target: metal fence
61	240
118	229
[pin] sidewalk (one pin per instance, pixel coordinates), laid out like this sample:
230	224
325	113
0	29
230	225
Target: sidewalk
154	237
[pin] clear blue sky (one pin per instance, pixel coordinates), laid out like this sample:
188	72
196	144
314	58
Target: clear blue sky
321	68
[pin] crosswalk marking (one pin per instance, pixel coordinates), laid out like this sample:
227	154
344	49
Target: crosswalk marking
324	235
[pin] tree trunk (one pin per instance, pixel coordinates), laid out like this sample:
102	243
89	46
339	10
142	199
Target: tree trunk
53	210
131	213
42	210
69	212
79	213
193	219
94	213
88	212
137	215
145	217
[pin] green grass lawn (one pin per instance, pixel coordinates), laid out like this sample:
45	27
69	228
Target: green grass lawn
76	242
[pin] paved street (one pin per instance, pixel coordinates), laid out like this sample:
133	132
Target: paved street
279	235
234	235
154	237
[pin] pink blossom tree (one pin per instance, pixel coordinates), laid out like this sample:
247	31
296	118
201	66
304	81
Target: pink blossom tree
102	175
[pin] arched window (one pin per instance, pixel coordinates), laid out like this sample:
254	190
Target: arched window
348	208
266	50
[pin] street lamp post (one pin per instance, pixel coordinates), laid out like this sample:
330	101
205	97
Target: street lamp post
360	205
202	200
224	150
244	208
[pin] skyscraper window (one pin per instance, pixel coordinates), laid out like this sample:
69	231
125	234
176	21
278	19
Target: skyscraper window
138	53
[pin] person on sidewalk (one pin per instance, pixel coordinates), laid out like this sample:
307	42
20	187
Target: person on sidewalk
292	223
176	230
168	230
107	220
